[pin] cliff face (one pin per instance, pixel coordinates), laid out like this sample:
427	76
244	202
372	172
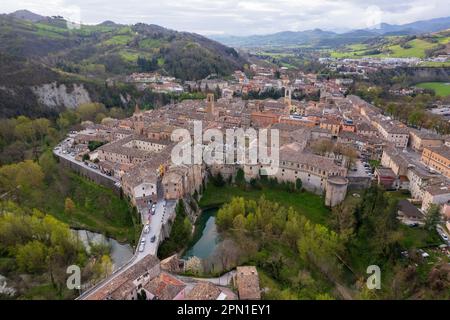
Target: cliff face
55	95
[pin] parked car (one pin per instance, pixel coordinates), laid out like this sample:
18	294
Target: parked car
153	239
141	247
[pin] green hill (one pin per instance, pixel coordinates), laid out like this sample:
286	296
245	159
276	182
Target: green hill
43	50
422	46
112	49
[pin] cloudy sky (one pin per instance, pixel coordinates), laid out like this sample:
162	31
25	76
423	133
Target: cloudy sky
239	17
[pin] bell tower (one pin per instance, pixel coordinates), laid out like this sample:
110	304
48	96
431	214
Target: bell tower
210	104
137	110
288	96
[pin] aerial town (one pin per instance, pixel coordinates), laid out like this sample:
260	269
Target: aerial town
326	143
224	155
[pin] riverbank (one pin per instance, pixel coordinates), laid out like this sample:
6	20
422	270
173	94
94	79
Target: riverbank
120	254
308	204
205	237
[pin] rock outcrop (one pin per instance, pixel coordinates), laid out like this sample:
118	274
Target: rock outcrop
55	95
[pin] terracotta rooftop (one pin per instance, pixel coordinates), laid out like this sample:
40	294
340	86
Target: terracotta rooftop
204	290
165	287
247	282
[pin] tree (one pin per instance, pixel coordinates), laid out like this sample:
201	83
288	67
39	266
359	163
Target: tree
31	257
106	266
141	295
117	113
343	220
433	217
322	147
69	206
416	118
89	111
240	178
350	155
48	164
298	184
194	265
218	180
67	119
26	176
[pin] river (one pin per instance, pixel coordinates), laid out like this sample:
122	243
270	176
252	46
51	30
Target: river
120	253
206	238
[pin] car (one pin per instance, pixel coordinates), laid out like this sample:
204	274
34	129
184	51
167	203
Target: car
143	241
153	239
444	236
141	247
147	229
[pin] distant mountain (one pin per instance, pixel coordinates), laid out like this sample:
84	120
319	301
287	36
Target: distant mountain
27	15
108	23
312	38
276	39
320	38
417	27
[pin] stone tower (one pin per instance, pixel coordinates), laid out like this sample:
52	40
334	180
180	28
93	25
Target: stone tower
210	104
288	96
336	190
137	110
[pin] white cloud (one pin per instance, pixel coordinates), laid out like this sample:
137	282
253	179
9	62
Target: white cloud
241	17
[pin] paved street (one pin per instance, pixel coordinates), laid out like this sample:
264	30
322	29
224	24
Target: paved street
156	222
66	145
223	280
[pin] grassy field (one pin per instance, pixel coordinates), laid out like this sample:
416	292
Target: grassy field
97	208
308	204
150	44
442	89
129	55
118	40
418	48
435	64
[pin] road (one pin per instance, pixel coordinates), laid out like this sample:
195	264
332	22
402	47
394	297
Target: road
66	145
162	213
223	280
